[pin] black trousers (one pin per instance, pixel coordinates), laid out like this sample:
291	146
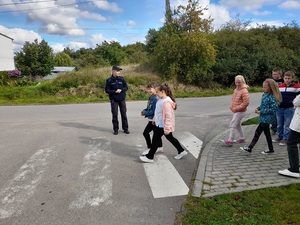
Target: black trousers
262	127
158	133
150	127
114	111
292	149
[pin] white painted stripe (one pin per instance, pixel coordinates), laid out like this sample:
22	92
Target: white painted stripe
18	190
95	182
191	143
164	179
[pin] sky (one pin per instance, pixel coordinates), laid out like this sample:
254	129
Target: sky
87	23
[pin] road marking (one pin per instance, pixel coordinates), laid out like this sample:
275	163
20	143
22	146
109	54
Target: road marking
18	190
163	178
95	182
191	143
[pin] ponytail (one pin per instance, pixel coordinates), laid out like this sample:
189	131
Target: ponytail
165	87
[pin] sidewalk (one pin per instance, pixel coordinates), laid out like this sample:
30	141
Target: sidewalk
225	169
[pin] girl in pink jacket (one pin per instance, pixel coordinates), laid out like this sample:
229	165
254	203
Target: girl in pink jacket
164	120
239	102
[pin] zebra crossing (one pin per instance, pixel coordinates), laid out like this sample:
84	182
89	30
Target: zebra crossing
163	178
94	185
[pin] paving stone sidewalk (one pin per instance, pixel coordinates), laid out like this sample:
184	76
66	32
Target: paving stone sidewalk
225	169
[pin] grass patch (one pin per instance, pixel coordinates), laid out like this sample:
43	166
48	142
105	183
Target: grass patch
88	84
274	206
251	121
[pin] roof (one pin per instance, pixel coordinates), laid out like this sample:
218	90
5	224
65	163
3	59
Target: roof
57	69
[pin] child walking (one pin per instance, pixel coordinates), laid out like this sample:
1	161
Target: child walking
149	113
289	90
271	98
277	77
292	143
164	120
239	102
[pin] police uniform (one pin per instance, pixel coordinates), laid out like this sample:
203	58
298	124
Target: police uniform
117	100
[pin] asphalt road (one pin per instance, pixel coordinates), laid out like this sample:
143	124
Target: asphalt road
61	164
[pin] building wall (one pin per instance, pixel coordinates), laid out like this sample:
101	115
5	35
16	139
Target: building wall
6	53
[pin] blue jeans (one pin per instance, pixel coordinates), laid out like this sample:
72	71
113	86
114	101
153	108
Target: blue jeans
284	117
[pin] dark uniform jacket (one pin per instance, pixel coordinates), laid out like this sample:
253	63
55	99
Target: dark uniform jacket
114	83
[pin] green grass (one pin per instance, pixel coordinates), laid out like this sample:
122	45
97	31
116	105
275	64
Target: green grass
251	121
276	206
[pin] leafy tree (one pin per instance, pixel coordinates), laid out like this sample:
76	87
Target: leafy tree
63	59
151	40
111	52
35	59
190	18
135	53
252	53
184	51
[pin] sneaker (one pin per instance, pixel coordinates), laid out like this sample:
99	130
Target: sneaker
115	132
126	132
246	149
288	173
160	150
227	143
146	160
266	152
181	154
241	140
283	143
276	140
145	152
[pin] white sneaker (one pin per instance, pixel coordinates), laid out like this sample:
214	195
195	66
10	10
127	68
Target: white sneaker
145	152
145	159
288	173
160	150
179	156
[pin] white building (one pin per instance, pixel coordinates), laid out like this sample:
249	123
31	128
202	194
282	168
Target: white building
6	53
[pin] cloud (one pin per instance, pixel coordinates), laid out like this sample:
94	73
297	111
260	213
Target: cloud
132	23
98	39
112	7
20	36
72	45
293	5
248	6
56	17
264	13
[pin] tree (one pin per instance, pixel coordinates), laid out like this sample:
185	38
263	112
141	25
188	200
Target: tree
135	53
63	59
35	59
183	49
190	18
252	53
111	52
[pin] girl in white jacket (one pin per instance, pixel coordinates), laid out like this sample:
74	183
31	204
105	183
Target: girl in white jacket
292	143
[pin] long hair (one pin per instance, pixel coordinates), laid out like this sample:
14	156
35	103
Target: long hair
168	91
241	78
274	89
